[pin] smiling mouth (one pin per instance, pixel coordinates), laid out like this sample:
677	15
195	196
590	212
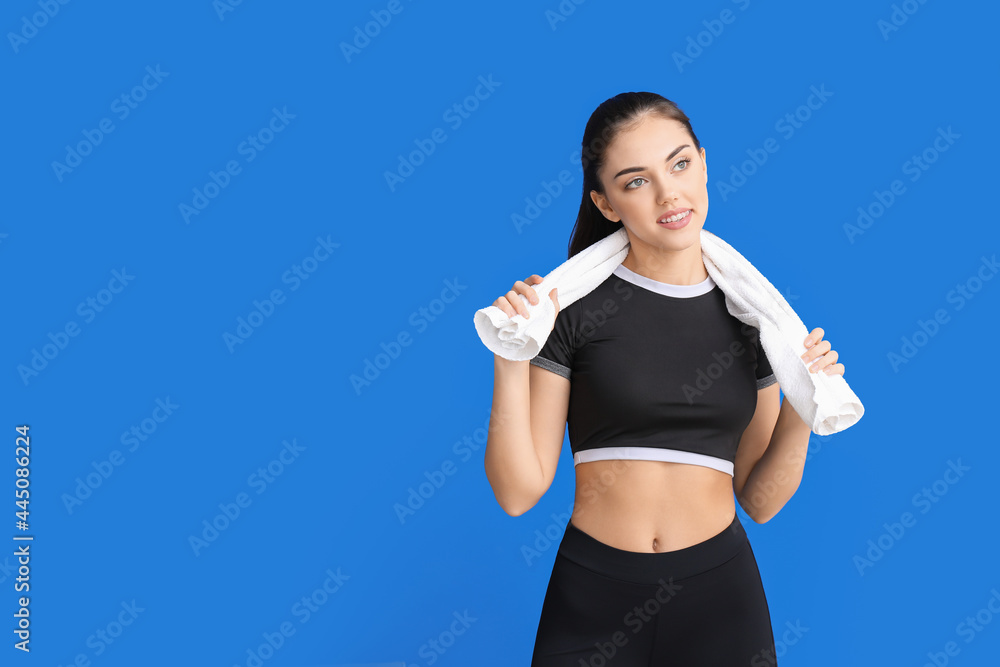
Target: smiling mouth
674	218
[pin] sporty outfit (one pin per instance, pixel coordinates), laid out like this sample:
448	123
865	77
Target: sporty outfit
659	372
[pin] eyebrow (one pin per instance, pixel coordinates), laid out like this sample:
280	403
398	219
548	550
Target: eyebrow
669	157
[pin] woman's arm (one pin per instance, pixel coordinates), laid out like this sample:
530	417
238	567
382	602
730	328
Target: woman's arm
775	478
512	466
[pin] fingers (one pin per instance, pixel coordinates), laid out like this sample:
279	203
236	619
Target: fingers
516	303
816	351
824	361
511	305
814	337
820	354
527	291
828	364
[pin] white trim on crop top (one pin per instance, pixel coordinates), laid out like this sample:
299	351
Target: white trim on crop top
668	289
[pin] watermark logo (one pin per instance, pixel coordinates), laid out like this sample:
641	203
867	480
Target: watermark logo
924	500
455	116
106	636
563	11
433	649
927	329
381	18
787	125
260	481
914	168
420	319
123	105
88	310
103	469
714	28
436	478
550	191
303	610
897	19
37	21
263	310
249	148
222	7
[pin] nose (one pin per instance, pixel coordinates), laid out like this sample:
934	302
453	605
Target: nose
666	192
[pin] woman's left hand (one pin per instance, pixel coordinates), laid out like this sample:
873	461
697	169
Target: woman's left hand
820	352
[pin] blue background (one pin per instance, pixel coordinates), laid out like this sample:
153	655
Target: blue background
361	451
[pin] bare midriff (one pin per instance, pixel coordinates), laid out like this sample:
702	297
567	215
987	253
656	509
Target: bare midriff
651	506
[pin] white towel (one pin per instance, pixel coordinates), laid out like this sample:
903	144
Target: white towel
824	401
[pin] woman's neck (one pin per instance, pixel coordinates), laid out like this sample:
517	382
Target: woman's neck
679	267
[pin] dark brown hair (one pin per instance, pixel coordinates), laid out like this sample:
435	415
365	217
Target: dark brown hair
621	112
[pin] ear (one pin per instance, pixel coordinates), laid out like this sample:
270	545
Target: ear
601	202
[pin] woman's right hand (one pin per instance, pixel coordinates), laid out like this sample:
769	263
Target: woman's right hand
512	305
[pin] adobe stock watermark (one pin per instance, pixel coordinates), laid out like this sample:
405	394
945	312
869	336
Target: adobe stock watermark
294	277
31	25
914	168
635	620
7	569
591	489
106	635
455	115
714	28
223	7
900	14
303	610
967	629
596	318
765	490
925	330
249	149
421	320
363	35
134	437
705	377
545	540
562	12
88	309
923	500
259	481
549	191
122	106
436	477
790	637
787	125
434	648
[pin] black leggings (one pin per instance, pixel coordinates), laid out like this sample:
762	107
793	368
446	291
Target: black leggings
701	605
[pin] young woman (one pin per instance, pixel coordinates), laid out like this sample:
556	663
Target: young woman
672	409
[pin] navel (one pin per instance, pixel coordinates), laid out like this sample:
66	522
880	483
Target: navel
654	544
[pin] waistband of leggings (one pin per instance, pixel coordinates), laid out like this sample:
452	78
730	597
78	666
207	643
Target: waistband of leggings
648	568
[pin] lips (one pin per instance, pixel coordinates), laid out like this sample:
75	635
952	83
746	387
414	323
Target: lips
669	214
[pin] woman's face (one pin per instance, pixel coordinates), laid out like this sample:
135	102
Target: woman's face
662	172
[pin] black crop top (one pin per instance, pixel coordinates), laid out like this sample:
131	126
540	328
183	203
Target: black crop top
659	372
